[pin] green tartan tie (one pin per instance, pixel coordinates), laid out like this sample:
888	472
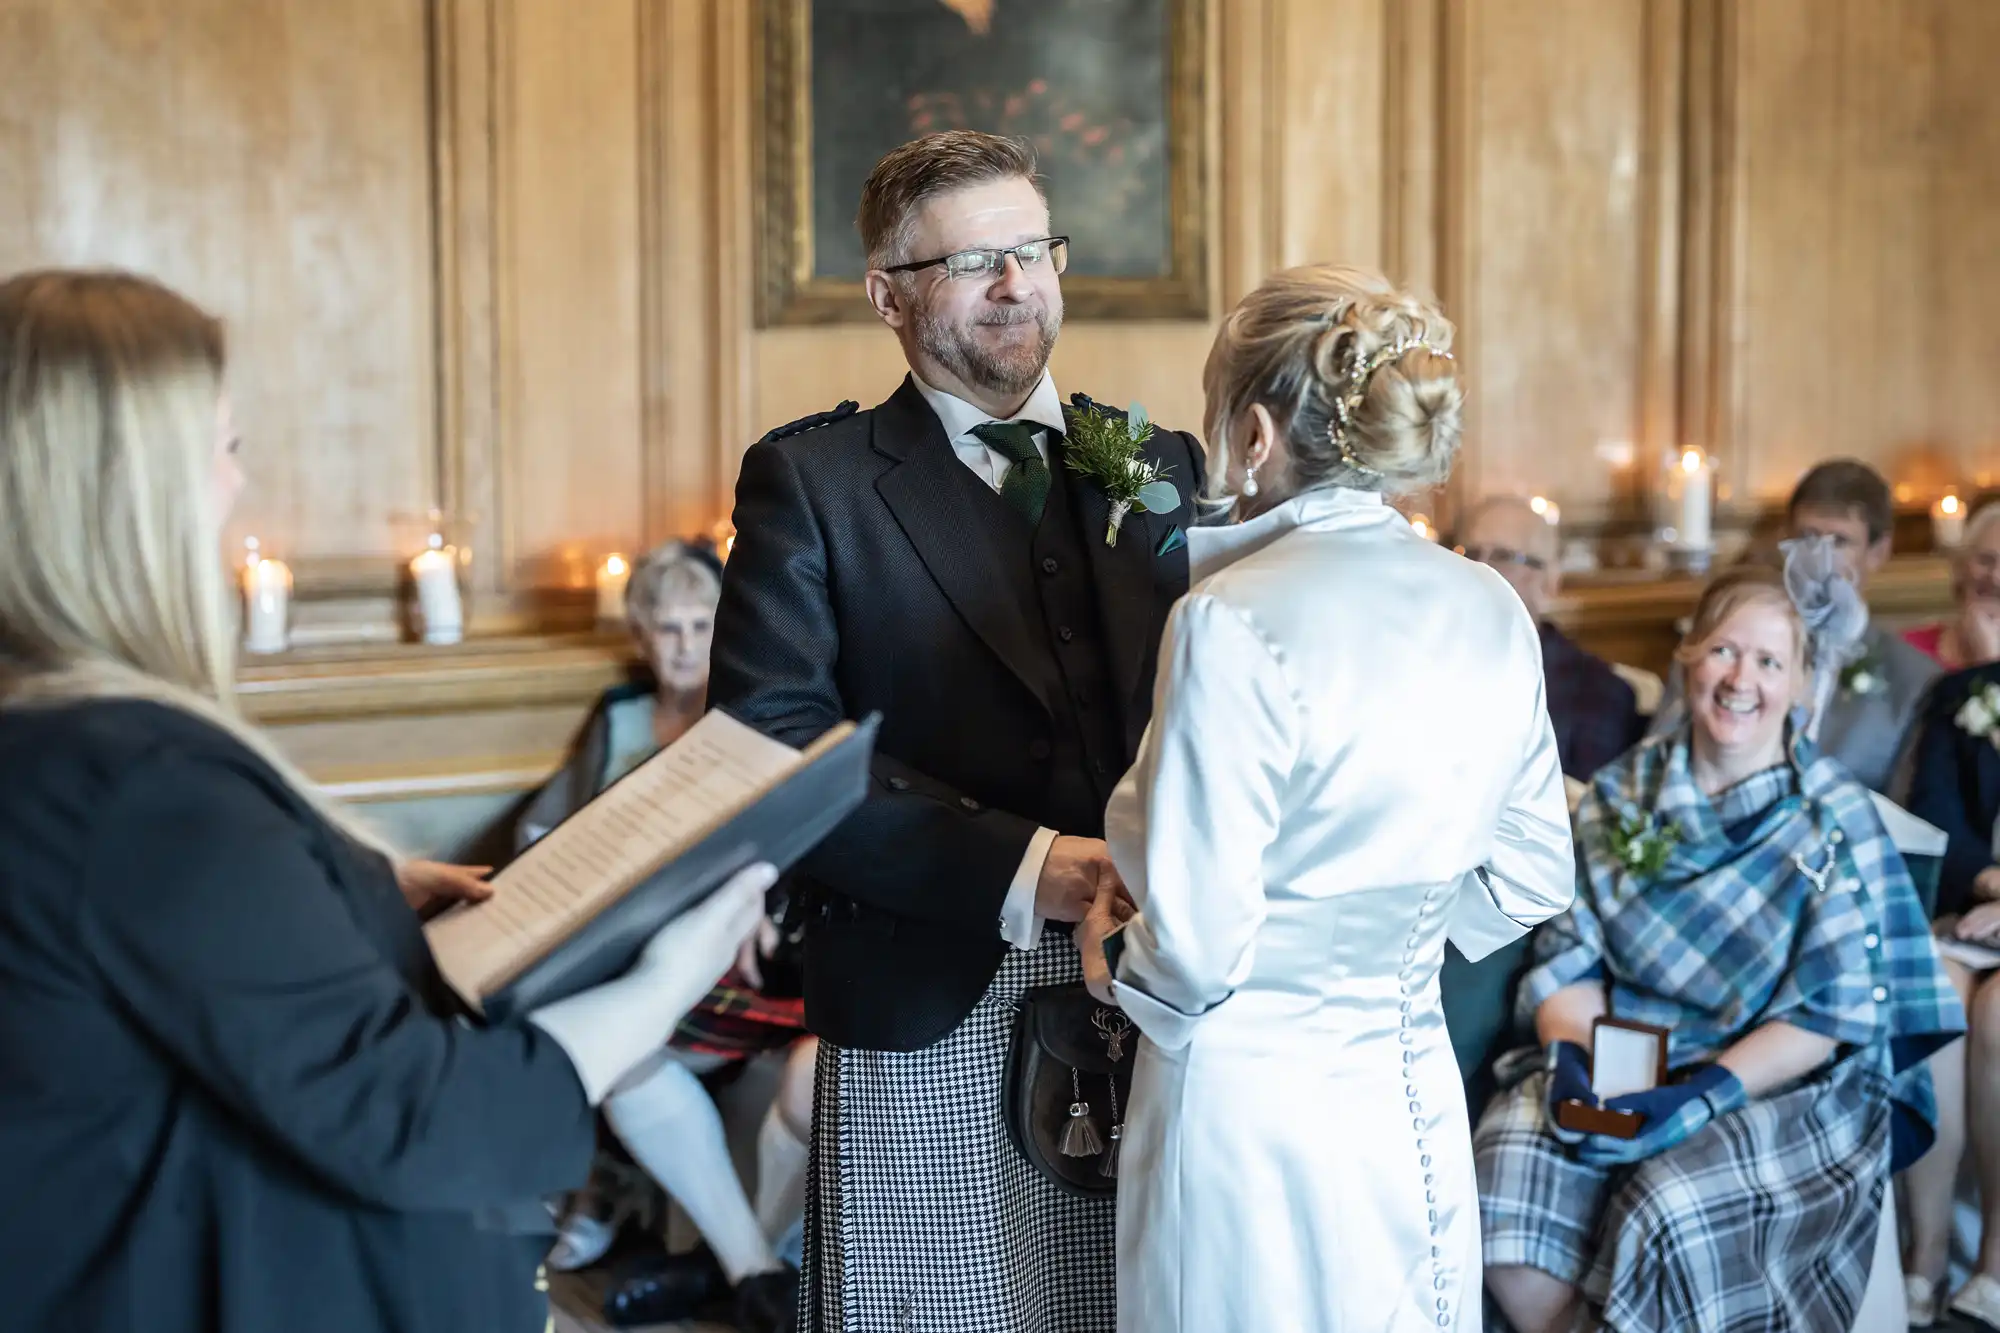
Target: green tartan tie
1026	485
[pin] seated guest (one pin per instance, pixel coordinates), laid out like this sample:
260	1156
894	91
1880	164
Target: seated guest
1972	637
1874	705
1955	784
666	1119
235	1093
1739	890
1595	713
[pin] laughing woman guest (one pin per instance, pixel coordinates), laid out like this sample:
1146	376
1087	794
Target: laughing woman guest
234	1096
1737	888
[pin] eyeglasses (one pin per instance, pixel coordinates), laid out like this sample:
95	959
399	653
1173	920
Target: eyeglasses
1501	555
1050	252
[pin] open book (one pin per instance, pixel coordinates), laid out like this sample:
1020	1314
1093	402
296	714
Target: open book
580	903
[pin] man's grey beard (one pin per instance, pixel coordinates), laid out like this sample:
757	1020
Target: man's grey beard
1012	373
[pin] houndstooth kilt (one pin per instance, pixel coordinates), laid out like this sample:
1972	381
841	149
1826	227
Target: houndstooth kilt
1763	1221
920	1215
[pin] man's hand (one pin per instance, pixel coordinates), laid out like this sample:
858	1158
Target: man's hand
1070	878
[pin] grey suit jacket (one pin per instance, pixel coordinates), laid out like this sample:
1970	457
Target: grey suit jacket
1865	731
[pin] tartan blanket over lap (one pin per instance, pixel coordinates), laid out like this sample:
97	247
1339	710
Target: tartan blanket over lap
1782	898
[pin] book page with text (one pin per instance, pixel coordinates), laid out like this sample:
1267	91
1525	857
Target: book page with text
636	826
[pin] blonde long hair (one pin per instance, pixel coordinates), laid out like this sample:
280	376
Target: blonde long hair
112	582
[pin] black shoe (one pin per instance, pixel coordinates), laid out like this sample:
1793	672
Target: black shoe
768	1302
662	1289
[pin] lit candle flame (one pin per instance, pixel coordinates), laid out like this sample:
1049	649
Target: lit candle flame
1691	461
1948	505
1423	527
614	565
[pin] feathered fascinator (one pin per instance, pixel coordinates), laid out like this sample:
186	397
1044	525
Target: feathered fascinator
1832	608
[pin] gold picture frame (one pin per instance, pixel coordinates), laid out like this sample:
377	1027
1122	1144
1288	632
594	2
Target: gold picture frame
791	290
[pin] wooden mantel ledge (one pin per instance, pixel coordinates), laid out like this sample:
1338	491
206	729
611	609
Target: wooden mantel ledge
1908	587
334	684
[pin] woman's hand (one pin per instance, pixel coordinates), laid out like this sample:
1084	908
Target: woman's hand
431	884
608	1029
1109	910
1986	885
1979	926
750	955
1979	632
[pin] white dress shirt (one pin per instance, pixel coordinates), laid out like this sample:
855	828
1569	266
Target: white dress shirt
1019	925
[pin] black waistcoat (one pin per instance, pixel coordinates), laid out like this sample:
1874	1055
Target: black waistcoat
1083	751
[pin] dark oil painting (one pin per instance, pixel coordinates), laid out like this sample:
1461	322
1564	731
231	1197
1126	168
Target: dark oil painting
1086	81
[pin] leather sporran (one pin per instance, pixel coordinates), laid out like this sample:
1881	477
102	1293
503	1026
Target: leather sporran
1069	1081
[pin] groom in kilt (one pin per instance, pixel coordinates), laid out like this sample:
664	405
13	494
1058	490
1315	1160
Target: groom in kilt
934	559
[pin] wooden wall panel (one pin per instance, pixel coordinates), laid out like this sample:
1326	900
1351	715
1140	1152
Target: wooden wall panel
570	393
1548	272
1331	77
271	159
1866	169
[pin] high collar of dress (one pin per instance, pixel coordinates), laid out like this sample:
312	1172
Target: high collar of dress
1211	550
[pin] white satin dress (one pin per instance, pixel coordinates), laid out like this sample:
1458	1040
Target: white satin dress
1350	759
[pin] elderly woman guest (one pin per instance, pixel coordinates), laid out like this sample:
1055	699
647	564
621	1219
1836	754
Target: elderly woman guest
1737	888
1304	826
235	1094
1955	784
1972	637
664	1116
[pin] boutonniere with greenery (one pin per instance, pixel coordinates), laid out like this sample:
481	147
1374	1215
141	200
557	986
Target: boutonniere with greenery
1979	715
1642	844
1862	676
1106	450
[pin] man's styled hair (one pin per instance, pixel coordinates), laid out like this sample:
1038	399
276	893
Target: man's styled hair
1850	484
915	173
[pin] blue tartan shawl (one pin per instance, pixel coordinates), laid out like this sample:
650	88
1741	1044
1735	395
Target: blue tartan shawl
1781	899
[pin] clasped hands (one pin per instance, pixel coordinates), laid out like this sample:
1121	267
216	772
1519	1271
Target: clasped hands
1079	883
1669	1114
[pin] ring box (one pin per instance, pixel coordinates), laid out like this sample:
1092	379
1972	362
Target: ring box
1625	1057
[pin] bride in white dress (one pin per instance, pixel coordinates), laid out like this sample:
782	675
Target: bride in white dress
1350	761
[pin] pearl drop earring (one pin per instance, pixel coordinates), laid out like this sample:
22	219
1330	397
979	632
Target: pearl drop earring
1249	478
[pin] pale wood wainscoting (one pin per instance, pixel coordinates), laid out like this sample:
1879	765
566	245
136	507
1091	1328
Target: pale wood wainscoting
436	744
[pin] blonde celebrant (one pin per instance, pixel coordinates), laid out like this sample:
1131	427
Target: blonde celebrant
235	1094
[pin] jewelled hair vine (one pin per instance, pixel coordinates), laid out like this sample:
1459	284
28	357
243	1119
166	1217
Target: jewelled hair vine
1356	388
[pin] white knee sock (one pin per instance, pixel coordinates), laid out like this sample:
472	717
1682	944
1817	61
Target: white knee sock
781	1176
671	1127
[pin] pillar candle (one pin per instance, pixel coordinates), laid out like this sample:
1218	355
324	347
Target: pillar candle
612	576
1948	522
267	605
436	575
1696	499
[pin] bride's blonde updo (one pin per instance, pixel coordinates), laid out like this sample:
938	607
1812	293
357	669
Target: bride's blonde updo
1295	345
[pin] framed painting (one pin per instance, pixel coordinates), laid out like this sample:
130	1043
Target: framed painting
1109	92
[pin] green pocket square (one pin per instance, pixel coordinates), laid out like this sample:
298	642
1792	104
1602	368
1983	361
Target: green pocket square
1173	541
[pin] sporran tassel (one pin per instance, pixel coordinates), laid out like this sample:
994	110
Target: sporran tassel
1080	1137
1108	1167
